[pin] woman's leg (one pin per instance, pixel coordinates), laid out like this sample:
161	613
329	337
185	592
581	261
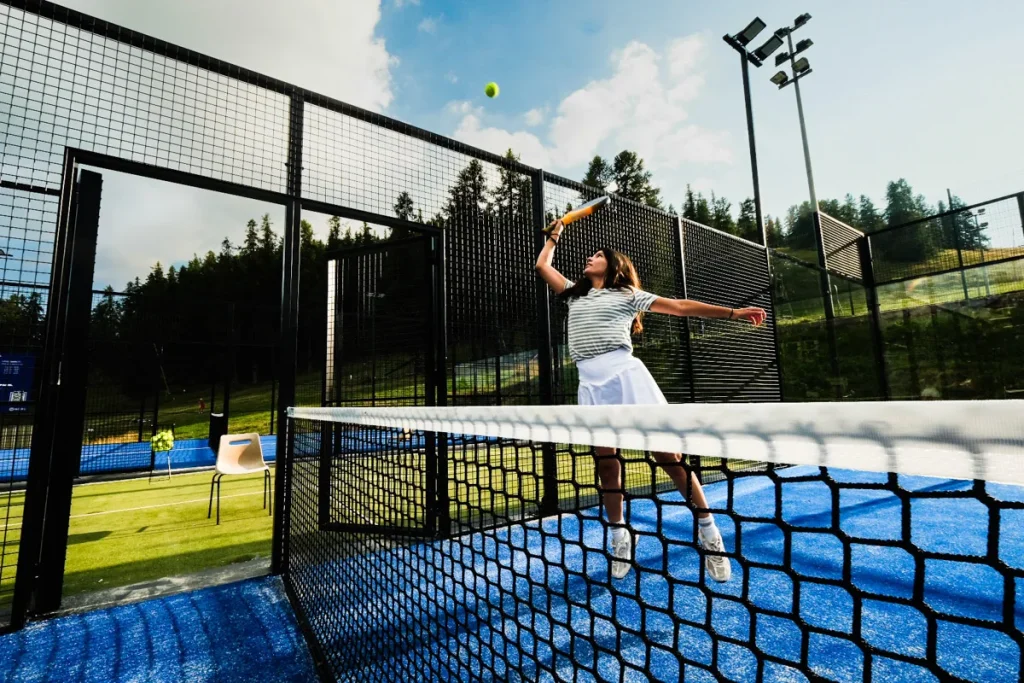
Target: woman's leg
710	538
689	486
609	474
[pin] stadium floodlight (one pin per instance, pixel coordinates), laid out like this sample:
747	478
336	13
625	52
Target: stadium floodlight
801	20
780	79
781	58
750	32
770	46
801	65
803	45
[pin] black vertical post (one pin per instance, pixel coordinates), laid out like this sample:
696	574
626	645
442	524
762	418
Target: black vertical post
290	264
45	418
545	368
830	313
745	66
687	342
1020	208
867	269
954	232
443	518
72	376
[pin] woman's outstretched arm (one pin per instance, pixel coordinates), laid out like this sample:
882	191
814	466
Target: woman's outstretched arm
547	272
687	308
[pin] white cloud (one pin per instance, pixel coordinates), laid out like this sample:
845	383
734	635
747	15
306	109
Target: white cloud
402	3
528	146
535	117
337	53
451	77
641	106
463	107
429	25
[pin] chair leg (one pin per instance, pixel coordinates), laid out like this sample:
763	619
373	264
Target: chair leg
218	499
209	511
268	493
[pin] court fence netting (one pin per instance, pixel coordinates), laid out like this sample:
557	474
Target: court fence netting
867	541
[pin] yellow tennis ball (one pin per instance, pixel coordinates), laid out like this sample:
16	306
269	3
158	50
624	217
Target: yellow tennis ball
491	89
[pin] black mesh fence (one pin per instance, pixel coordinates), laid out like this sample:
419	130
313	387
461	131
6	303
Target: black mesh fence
842	247
986	233
809	372
651	240
731	363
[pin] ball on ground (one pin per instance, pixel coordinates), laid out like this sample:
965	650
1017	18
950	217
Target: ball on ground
491	89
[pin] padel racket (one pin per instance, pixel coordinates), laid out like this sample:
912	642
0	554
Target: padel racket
590	207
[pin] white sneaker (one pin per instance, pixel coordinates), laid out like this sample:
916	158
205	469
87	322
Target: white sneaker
718	566
622	550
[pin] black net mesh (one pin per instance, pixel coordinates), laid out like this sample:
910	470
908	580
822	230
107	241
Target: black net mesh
834	574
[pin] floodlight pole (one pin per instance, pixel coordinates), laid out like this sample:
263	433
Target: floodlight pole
745	60
803	125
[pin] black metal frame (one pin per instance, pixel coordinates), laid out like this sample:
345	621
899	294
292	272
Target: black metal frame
215	483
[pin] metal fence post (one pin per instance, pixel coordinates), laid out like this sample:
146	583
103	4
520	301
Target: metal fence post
545	364
830	313
290	267
1020	208
867	269
681	255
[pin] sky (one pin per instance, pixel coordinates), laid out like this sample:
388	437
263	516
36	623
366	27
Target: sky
932	95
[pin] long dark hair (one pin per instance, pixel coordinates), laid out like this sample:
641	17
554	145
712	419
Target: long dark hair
620	274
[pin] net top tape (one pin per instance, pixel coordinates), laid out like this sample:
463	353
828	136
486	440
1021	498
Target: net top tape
974	440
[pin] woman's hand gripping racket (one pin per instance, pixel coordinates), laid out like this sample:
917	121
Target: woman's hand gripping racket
587	209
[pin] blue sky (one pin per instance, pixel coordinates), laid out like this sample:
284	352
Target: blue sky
933	95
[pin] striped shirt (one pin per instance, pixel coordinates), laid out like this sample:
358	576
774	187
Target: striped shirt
602	320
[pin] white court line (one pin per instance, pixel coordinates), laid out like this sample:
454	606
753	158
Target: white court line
145	507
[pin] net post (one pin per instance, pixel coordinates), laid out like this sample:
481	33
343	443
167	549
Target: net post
545	369
440	509
1020	208
290	265
867	269
830	313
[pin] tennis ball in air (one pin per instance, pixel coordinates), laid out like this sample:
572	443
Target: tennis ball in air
491	89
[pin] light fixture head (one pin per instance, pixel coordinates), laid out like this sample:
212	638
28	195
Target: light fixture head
983	225
801	65
981	211
770	46
803	45
801	20
750	32
780	78
781	58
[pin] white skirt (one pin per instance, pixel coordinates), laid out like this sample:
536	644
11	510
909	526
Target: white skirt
617	378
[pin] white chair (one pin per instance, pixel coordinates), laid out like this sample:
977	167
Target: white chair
240	454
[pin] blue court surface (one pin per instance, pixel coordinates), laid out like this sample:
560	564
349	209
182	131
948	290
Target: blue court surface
129	457
539	615
236	633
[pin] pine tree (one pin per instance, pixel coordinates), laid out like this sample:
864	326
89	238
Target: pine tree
868	218
721	215
268	240
333	232
404	208
702	211
746	223
252	239
632	181
690	205
599	174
